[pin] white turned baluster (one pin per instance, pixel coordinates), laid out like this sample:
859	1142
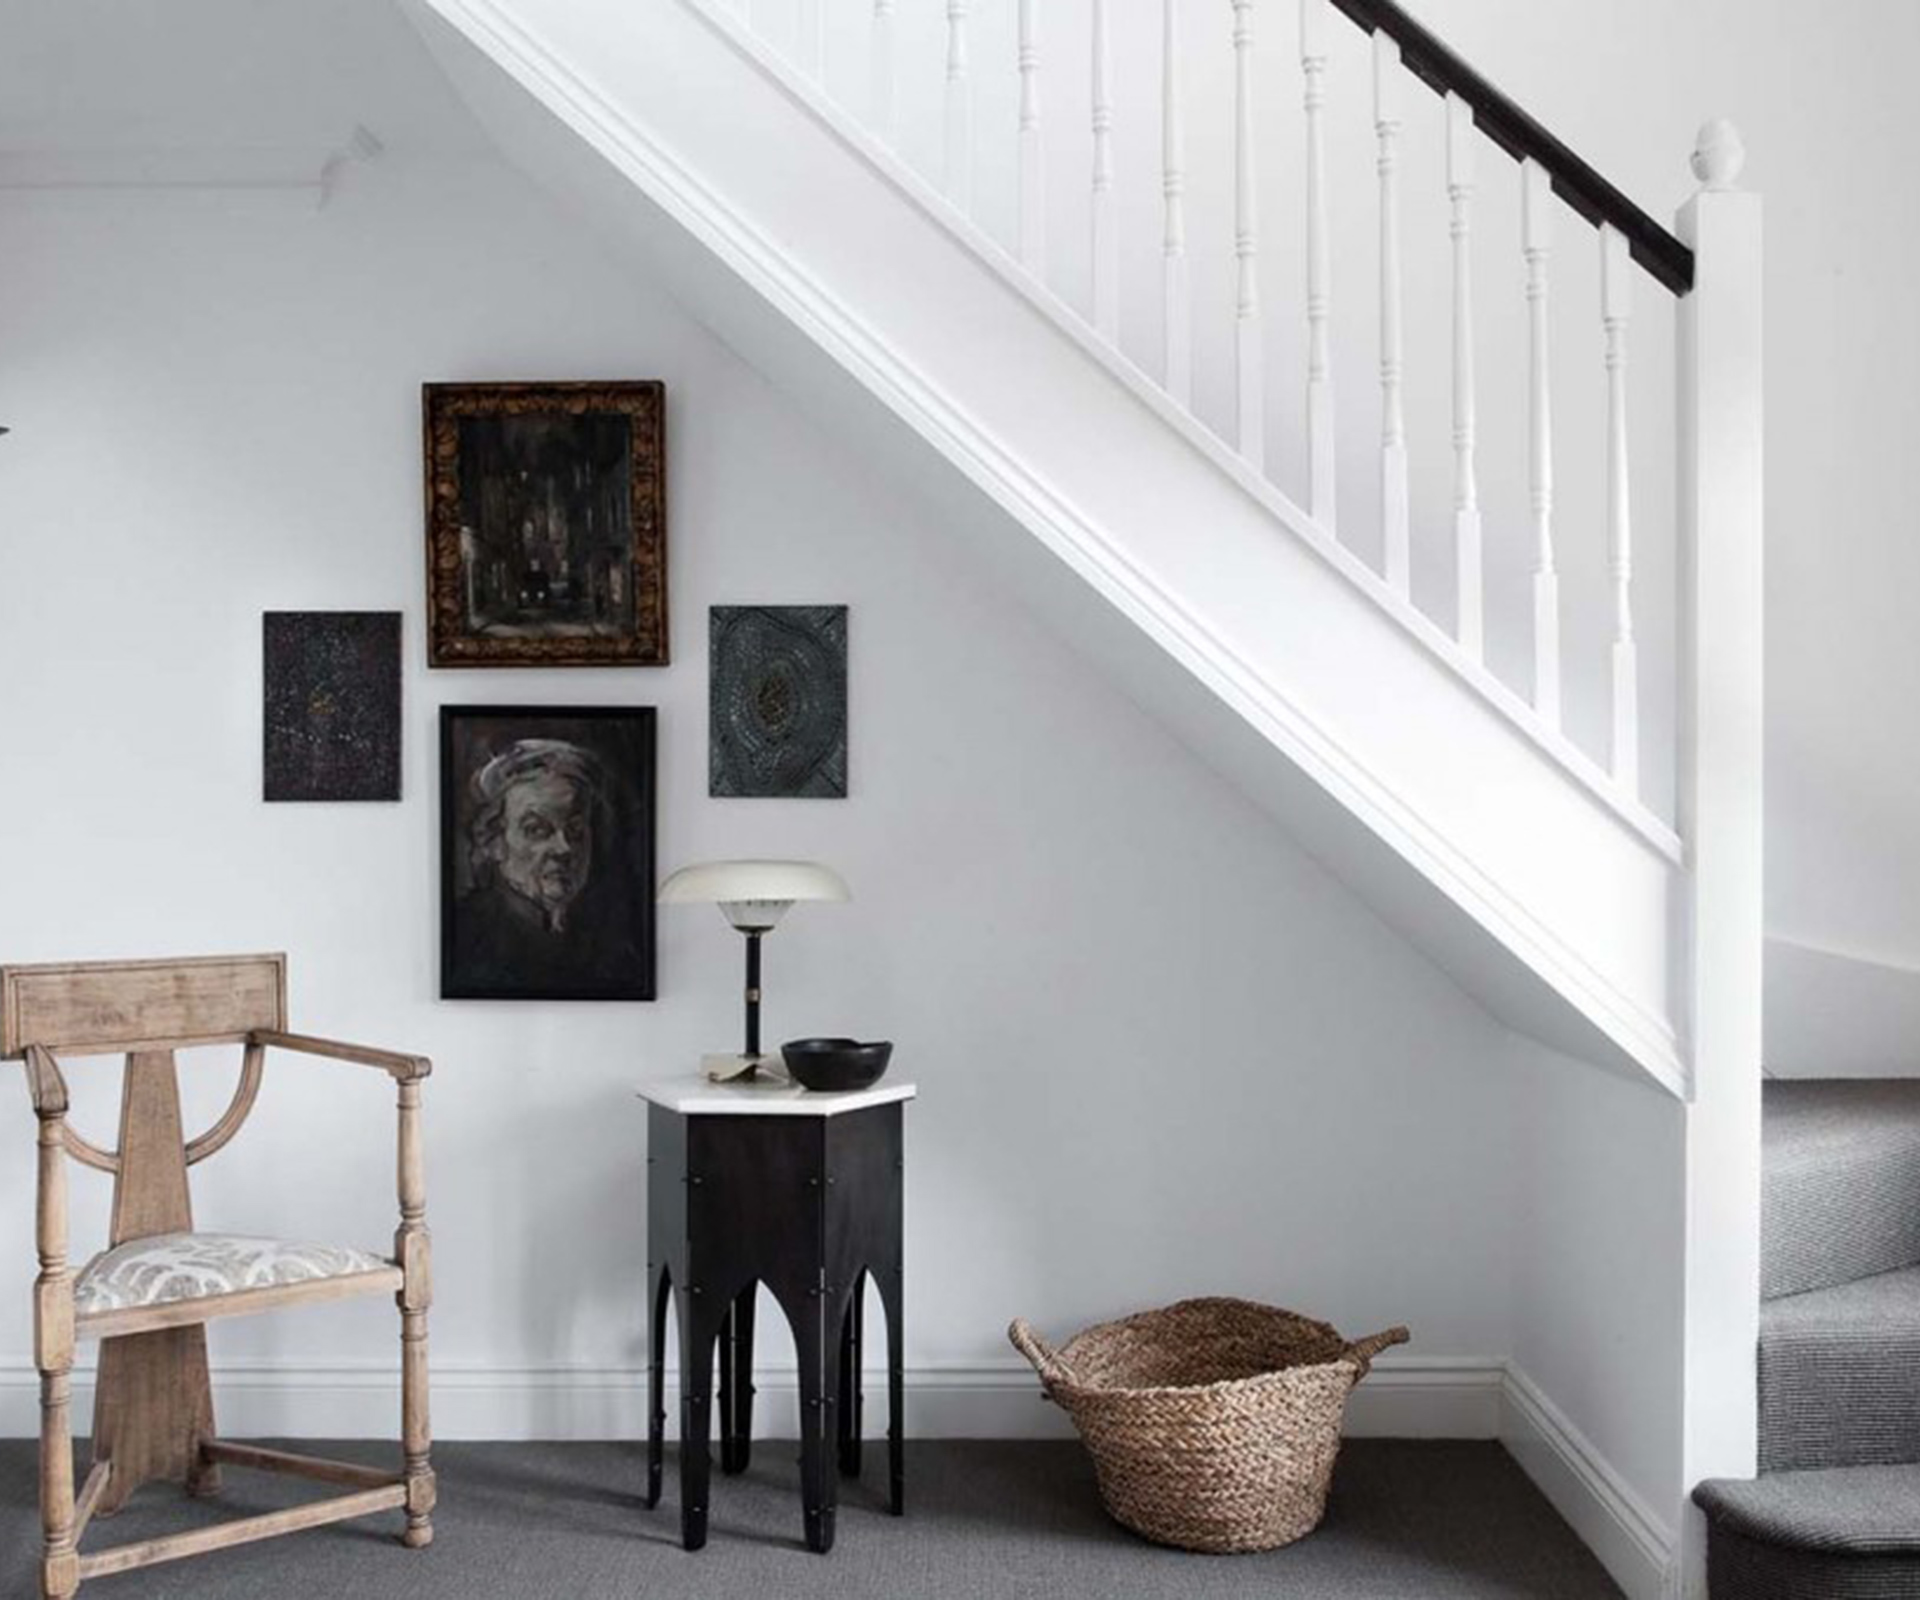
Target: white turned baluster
1321	478
1106	235
1033	179
1250	408
1616	306
1173	183
1466	487
813	39
1536	196
881	87
1395	513
959	184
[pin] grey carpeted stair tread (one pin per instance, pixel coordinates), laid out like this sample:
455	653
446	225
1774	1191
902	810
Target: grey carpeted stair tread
1840	1375
1843	1511
1836	1512
1841	1190
1739	1568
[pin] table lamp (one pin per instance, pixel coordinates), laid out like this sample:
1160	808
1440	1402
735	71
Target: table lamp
753	896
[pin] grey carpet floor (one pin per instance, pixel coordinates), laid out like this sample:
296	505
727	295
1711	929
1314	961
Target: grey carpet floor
1409	1521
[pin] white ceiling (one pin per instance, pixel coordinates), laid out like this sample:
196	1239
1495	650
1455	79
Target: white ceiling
142	77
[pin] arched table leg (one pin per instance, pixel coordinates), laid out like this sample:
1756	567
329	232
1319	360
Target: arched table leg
736	1383
659	1301
699	1331
819	1488
851	1409
892	1297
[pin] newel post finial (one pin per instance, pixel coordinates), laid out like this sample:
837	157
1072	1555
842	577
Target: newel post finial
1719	154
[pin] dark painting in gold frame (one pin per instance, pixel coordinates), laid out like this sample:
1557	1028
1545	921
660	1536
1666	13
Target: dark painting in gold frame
546	524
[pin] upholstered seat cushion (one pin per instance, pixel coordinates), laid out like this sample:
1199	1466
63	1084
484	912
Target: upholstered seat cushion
196	1266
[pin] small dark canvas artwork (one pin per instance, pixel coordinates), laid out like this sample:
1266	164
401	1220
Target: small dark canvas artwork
546	524
332	711
547	852
779	702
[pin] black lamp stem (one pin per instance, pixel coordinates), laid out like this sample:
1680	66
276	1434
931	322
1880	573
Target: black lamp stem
753	991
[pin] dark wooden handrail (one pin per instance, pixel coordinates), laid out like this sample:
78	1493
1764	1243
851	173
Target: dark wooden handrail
1657	250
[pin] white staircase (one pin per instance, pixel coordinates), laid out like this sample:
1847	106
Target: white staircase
1311	417
1576	889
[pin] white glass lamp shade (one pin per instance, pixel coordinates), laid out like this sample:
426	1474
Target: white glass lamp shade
753	894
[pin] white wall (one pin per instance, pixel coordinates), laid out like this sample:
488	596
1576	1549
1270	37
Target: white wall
1594	1410
1834	1014
1160	1051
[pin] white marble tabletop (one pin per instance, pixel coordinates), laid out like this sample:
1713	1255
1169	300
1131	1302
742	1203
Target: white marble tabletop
694	1094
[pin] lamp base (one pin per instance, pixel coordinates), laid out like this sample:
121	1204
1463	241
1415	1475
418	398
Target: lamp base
727	1067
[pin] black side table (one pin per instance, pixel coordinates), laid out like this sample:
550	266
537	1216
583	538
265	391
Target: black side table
752	1183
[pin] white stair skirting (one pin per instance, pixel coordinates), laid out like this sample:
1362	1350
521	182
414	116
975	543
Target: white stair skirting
1635	1545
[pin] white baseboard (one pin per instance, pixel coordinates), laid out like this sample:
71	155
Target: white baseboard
1632	1542
1407	1398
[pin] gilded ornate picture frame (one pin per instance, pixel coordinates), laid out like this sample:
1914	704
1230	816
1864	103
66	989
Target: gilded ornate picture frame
546	524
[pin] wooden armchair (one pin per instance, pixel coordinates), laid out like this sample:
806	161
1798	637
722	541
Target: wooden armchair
148	1297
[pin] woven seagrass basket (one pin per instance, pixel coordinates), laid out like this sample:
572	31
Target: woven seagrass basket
1213	1424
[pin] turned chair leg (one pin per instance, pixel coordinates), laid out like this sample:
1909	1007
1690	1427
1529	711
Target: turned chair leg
413	1248
416	1431
53	1354
59	1557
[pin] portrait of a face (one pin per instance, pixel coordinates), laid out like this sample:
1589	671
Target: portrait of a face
548	853
534	825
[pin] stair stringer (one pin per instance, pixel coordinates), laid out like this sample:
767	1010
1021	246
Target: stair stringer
1561	909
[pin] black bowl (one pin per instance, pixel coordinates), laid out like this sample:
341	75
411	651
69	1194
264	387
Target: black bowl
836	1064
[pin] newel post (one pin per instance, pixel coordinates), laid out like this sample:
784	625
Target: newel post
1722	542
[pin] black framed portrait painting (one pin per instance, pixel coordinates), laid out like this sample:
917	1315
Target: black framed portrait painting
547	852
546	524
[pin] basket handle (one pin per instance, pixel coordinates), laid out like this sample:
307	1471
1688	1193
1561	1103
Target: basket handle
1046	1360
1362	1351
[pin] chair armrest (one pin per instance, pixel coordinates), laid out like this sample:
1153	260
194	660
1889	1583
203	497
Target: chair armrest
44	1083
401	1067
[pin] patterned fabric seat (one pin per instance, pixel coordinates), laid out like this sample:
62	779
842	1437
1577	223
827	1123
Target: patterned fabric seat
198	1266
